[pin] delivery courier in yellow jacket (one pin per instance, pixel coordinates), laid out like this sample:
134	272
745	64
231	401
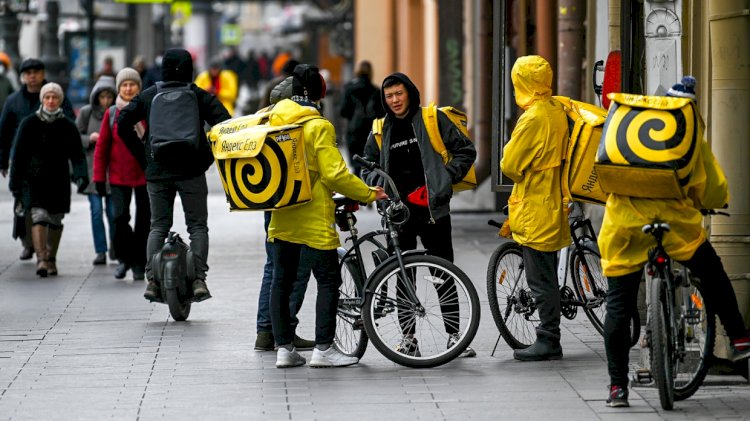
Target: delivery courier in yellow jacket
311	225
624	250
538	219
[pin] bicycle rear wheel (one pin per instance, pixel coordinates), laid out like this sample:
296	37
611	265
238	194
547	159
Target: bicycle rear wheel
511	302
698	330
350	338
591	285
661	342
431	332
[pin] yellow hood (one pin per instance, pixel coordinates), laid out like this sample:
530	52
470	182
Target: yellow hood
532	80
287	111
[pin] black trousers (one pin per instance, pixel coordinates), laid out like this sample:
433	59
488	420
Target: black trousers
541	275
622	297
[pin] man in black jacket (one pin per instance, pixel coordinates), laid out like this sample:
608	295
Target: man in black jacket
407	155
165	179
358	94
18	106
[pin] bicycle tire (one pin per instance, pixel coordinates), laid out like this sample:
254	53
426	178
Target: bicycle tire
351	338
661	342
692	370
512	305
179	308
388	315
590	285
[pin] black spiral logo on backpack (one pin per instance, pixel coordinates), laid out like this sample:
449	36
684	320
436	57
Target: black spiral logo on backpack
651	138
256	183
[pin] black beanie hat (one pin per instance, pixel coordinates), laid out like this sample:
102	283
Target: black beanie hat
307	83
177	65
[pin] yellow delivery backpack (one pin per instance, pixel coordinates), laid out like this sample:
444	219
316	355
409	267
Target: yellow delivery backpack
648	146
580	181
430	118
262	167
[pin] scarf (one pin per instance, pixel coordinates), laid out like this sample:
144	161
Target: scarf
140	128
49	116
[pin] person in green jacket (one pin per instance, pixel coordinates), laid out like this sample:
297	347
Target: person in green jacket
311	226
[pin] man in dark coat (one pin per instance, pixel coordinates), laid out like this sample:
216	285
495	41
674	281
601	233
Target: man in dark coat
358	93
18	106
166	179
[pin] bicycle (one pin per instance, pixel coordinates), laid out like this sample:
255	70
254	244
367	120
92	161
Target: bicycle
680	328
510	298
409	302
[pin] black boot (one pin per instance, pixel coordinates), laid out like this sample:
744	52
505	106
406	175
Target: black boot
546	347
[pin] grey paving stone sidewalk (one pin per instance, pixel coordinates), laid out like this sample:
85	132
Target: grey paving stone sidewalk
87	346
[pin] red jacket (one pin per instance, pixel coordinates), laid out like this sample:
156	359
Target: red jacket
112	158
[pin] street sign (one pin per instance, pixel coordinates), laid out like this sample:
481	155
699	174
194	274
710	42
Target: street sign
231	34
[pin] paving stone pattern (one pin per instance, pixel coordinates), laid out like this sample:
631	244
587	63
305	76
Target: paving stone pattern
86	346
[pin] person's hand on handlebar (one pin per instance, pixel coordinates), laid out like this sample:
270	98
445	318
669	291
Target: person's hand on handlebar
380	194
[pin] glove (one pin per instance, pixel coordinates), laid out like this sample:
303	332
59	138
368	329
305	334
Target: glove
82	183
101	188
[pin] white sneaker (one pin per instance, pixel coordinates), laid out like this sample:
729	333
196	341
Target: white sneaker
286	358
331	357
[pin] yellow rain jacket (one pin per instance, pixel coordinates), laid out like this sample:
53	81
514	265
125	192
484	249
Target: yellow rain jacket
313	223
533	160
227	93
624	247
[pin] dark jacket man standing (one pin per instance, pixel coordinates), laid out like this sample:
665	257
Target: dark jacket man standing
407	155
184	174
357	95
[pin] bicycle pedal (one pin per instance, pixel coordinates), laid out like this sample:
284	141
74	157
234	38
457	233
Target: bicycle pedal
642	377
358	325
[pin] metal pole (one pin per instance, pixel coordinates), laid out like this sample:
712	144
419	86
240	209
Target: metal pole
92	47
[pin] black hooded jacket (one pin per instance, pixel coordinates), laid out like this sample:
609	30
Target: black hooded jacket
439	177
177	69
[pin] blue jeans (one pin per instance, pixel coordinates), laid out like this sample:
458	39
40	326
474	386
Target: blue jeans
97	221
325	267
194	196
263	322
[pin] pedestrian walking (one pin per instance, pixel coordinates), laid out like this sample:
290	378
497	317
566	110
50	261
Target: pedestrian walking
115	163
182	172
219	82
46	145
18	106
357	96
537	213
421	177
310	226
625	248
89	123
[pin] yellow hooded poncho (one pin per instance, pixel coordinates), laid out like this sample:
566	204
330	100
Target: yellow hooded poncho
533	160
313	223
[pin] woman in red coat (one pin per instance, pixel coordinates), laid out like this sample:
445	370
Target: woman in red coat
114	161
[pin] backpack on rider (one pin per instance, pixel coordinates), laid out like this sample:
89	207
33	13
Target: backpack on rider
174	124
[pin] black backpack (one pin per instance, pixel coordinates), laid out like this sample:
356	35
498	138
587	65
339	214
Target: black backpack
174	124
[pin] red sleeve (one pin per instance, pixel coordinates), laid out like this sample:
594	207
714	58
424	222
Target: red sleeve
102	150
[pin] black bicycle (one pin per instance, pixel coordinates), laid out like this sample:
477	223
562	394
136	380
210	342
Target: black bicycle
511	301
417	310
681	330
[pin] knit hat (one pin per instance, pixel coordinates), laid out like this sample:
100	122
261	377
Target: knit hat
127	74
177	66
51	87
307	83
684	89
31	64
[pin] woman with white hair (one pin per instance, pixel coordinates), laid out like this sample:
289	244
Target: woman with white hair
46	142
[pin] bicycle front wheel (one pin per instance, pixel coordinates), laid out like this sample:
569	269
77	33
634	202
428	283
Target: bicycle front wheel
661	345
591	285
428	332
511	302
698	333
350	338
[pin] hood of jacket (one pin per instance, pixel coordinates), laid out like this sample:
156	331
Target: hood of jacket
287	111
414	97
105	83
177	66
532	80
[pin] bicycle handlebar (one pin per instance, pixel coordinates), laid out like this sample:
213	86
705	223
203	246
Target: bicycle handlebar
396	207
